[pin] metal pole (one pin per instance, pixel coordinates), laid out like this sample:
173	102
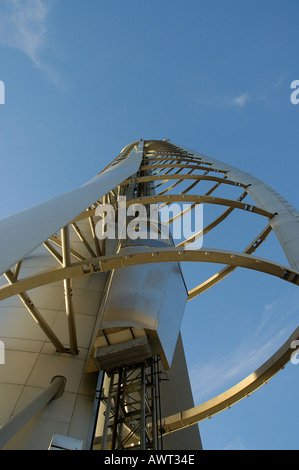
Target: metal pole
116	411
154	408
160	410
54	390
142	410
95	411
107	413
66	258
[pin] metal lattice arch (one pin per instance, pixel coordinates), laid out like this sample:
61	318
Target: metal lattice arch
54	267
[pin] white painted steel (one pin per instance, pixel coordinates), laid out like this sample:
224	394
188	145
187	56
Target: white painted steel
151	297
31	360
21	233
52	391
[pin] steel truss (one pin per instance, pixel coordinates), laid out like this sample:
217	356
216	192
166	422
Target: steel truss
130	408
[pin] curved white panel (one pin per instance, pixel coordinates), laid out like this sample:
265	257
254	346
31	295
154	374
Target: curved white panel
23	232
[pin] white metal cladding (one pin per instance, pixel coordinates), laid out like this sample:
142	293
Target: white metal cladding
23	232
31	360
151	297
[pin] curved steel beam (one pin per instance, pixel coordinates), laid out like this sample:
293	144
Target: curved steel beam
179	180
144	179
200	200
186	158
211	225
148	255
243	389
173	198
228	269
286	222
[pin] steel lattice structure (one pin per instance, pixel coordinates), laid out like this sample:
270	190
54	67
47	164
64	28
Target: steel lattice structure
63	231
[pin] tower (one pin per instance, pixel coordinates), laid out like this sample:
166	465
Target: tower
101	274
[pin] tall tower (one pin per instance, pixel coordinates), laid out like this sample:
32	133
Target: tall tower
93	297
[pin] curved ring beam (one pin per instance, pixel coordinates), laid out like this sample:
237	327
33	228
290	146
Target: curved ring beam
228	269
233	395
144	179
188	199
189	159
286	222
199	199
211	225
158	255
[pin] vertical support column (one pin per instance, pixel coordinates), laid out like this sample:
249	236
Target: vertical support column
154	407
116	410
95	412
142	408
107	414
66	260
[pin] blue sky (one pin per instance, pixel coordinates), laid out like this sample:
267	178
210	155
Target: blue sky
84	78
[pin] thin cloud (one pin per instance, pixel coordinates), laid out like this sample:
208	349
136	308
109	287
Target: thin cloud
276	324
23	26
242	99
220	374
223	101
236	444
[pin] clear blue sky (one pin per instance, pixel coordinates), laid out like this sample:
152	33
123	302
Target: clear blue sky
84	78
